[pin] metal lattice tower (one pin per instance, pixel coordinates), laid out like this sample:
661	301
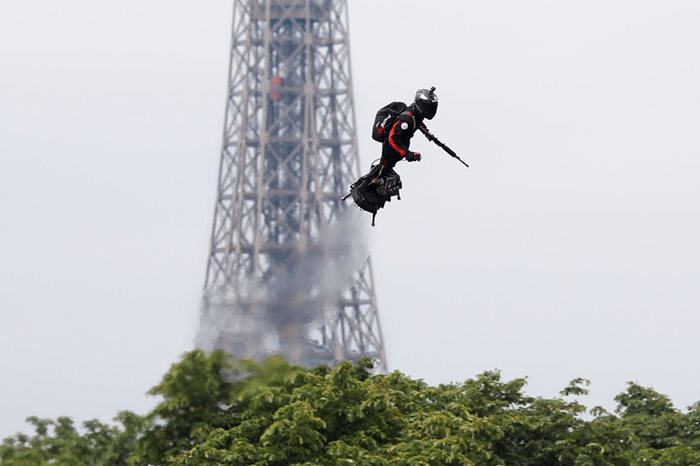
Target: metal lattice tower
289	154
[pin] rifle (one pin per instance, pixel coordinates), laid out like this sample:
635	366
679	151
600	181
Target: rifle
440	144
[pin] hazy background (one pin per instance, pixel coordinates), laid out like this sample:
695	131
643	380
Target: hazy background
569	248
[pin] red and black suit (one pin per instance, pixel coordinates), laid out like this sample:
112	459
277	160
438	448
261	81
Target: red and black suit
397	144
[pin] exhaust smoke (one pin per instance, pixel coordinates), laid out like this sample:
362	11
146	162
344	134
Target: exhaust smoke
290	302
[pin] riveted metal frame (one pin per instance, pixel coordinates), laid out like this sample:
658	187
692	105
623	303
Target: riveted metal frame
289	154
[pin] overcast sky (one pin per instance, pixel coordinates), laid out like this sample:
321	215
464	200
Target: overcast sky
568	249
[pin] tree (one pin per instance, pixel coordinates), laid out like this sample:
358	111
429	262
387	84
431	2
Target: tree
59	442
215	411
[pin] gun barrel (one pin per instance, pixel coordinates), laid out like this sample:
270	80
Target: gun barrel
431	137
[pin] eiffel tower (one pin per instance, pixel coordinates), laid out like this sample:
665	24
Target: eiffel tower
287	270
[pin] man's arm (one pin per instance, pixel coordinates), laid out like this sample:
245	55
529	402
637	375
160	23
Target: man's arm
400	137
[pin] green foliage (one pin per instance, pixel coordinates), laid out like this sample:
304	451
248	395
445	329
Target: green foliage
214	411
59	443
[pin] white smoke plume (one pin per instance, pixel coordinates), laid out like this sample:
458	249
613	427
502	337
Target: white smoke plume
294	300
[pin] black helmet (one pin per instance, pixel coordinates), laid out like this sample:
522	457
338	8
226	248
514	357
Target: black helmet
426	102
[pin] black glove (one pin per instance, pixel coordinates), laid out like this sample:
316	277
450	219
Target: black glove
413	157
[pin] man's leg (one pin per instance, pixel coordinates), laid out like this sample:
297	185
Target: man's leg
386	165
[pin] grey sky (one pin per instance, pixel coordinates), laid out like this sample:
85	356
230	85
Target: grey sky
568	249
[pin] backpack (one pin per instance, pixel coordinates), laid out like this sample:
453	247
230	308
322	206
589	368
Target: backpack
384	118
